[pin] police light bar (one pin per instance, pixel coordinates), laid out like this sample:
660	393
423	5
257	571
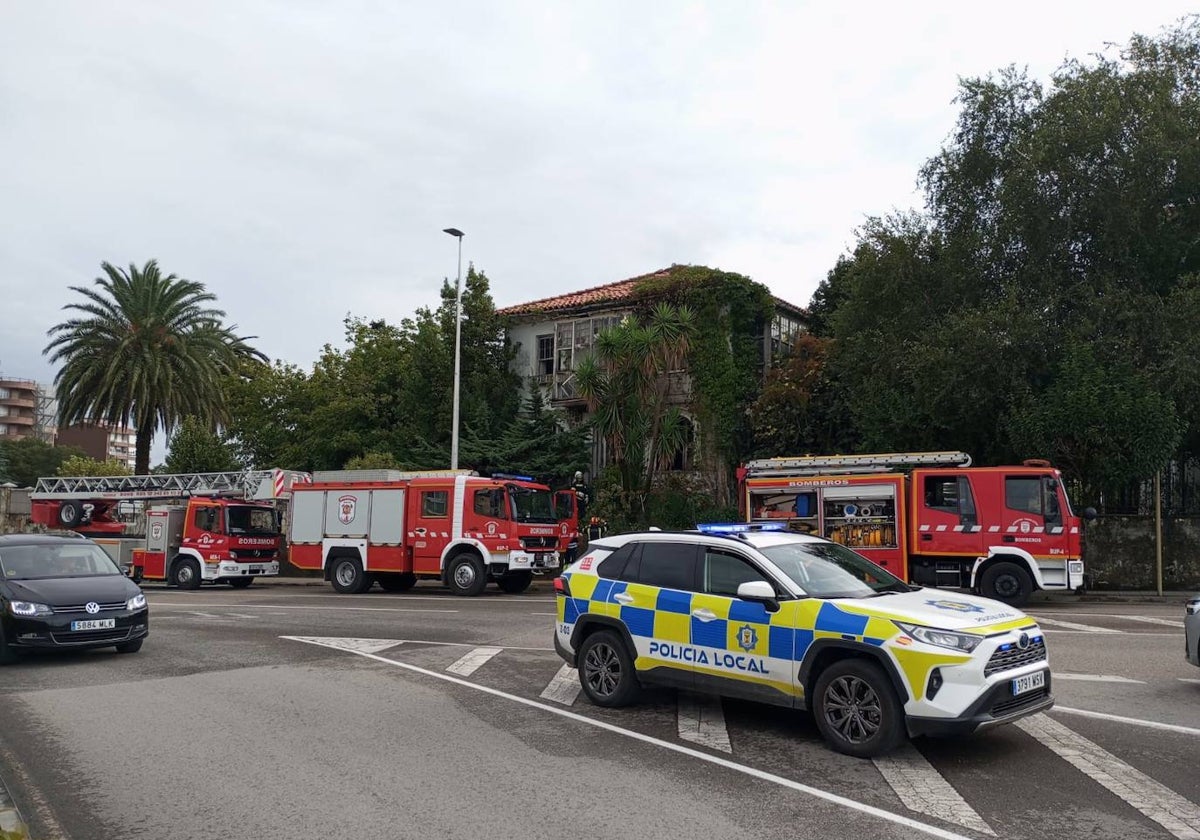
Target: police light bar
740	527
512	477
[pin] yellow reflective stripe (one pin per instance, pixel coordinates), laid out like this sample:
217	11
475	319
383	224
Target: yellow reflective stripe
717	604
582	586
916	665
1024	621
672	627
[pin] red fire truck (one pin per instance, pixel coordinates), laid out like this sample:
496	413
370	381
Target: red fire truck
225	527
392	527
930	517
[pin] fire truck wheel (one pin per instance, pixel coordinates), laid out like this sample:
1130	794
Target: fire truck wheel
465	574
185	573
241	583
348	576
514	583
1007	582
397	583
69	514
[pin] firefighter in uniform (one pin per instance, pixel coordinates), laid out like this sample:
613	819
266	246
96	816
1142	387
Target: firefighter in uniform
583	495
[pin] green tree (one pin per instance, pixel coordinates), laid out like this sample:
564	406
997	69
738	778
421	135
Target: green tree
196	448
30	459
373	461
626	385
145	349
82	465
270	406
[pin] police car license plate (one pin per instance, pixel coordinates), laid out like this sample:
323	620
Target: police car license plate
1029	682
95	624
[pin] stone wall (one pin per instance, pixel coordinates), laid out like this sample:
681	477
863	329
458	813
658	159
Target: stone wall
14	509
1119	552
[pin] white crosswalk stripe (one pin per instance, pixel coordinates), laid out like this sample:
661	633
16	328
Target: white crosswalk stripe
1157	802
1146	619
1071	625
702	721
473	661
923	789
564	688
1058	675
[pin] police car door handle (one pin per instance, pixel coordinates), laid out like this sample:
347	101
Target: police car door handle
622	598
704	615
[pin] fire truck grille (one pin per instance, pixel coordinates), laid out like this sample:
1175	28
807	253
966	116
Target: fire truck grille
254	552
82	608
539	542
1010	656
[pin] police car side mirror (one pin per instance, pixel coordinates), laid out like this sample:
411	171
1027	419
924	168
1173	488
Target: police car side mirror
760	591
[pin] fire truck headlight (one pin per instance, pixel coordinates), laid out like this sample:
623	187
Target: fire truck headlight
137	602
233	555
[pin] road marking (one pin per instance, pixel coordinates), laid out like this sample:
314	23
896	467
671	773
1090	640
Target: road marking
351	645
1058	675
160	605
1149	724
553	615
701	720
728	764
206	615
473	661
1189	680
564	688
1145	619
923	789
1158	802
1147	635
242	615
1070	625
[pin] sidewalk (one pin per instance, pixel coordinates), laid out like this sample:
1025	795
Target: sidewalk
12	827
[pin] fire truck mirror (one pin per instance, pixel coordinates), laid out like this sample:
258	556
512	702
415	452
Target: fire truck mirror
1089	513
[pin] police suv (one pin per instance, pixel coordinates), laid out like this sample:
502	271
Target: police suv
754	612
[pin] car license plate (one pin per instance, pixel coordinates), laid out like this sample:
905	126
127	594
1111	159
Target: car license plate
256	570
95	624
1029	682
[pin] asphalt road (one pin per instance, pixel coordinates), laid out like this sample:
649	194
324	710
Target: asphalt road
292	712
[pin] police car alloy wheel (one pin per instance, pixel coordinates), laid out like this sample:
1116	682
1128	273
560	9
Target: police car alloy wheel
856	709
606	670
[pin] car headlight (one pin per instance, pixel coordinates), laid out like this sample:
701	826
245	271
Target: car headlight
964	642
137	602
28	608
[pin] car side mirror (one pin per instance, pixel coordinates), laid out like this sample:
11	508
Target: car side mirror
1089	513
760	591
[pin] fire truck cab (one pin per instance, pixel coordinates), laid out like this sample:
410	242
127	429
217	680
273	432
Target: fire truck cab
453	526
930	517
214	527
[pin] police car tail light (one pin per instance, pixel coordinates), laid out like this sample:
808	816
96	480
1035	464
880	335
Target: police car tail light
965	642
561	587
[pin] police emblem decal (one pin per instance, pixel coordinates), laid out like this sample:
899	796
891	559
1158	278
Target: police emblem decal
747	637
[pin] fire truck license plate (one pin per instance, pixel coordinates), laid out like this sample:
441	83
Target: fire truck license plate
1029	682
256	570
95	624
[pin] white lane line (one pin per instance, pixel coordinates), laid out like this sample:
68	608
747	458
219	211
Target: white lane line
1058	675
1145	619
160	605
1149	724
241	615
728	764
1189	680
206	615
555	615
1147	635
351	645
564	688
473	661
1070	625
702	721
1158	802
923	789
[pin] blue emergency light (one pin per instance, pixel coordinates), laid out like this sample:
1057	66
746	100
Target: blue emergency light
740	527
512	477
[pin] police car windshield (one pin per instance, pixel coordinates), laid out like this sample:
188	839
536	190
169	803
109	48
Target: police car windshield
29	562
530	505
829	570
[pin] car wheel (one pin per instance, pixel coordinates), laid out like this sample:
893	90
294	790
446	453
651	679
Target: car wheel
606	670
69	514
1007	582
185	573
466	575
397	582
7	654
130	647
241	583
514	583
348	577
856	709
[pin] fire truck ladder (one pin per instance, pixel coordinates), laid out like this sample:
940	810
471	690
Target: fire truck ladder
248	484
826	464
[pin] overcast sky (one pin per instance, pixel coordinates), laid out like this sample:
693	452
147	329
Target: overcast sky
302	158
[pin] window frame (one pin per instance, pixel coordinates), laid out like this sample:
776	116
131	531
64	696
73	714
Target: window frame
427	496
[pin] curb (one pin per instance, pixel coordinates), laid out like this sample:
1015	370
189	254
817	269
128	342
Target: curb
12	827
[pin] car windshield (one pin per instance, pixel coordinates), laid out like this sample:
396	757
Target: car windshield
55	560
247	519
829	570
530	505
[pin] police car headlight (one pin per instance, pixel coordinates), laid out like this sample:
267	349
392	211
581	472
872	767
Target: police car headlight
136	602
27	608
964	642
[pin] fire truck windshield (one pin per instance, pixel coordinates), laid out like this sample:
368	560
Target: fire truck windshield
248	520
530	505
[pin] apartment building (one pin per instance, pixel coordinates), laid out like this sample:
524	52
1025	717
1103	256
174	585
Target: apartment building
18	408
101	441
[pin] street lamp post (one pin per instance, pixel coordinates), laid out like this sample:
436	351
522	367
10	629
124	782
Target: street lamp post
457	234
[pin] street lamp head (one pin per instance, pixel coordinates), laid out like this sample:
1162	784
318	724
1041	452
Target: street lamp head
454	232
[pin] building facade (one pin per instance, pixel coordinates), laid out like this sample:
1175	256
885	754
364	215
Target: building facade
101	442
18	408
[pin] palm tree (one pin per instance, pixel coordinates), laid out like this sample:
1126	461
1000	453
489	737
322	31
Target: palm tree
145	348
